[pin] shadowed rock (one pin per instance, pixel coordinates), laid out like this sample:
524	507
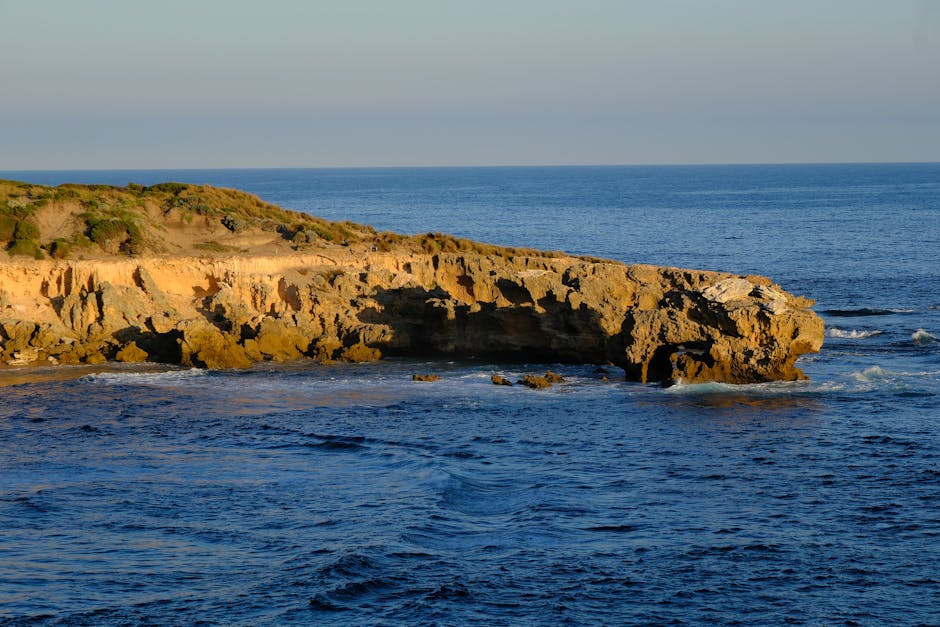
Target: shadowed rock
131	353
658	324
330	301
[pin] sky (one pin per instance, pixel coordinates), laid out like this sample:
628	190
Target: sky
102	84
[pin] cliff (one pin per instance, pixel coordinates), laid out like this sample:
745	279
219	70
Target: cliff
357	300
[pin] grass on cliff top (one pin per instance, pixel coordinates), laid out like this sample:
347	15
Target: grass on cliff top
71	219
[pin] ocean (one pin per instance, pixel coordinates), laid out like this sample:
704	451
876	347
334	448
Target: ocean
350	495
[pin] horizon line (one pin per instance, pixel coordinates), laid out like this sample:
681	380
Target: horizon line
442	167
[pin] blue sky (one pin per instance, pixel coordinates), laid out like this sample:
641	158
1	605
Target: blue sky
289	83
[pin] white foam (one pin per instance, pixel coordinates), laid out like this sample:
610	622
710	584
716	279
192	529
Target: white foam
872	373
697	388
851	334
746	389
144	377
922	337
870	379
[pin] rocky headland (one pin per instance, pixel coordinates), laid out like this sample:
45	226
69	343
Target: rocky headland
216	278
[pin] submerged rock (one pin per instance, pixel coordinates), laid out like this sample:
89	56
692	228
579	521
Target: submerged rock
535	382
425	377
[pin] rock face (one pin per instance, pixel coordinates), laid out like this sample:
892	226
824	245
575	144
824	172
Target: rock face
658	324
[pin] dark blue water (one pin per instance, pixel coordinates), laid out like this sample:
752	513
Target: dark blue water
305	494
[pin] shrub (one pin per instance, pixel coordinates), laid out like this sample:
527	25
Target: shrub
449	245
60	248
301	237
26	248
330	232
169	188
134	245
19	208
101	231
7	227
64	192
233	224
25	230
120	228
429	244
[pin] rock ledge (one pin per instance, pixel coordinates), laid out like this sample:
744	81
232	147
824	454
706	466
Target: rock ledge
658	324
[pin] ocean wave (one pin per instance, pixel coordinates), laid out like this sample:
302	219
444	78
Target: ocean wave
852	334
872	373
161	377
873	378
864	311
922	337
879	374
680	387
737	389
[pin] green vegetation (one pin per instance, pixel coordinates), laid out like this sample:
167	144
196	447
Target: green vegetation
24	229
25	248
18	229
136	220
60	248
433	243
7	227
132	220
115	230
169	188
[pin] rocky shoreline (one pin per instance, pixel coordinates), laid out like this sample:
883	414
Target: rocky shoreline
658	324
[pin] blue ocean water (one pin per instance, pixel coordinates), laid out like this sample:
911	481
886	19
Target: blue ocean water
348	494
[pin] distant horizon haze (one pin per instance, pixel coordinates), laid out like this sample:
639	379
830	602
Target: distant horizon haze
107	84
472	166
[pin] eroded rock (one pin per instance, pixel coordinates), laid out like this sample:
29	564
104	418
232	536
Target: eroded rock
535	382
359	353
131	353
658	324
204	346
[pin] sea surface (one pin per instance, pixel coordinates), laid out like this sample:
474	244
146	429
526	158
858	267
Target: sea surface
350	495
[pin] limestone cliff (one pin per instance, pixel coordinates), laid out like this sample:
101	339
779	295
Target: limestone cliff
218	278
658	324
